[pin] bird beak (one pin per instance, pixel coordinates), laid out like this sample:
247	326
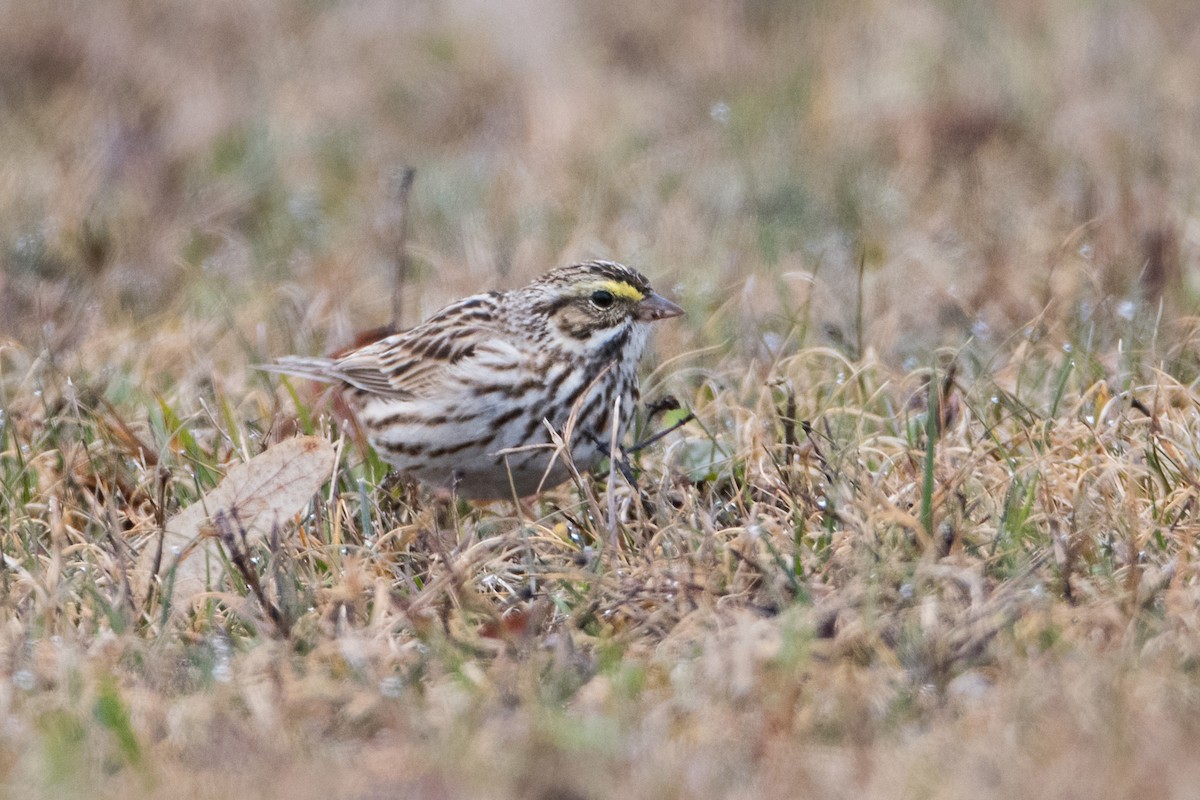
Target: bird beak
656	307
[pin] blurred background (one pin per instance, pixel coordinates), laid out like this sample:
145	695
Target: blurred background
896	175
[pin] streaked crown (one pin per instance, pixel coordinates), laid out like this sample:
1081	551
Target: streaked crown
598	299
619	280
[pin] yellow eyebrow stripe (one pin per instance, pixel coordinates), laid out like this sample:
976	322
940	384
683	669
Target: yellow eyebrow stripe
622	289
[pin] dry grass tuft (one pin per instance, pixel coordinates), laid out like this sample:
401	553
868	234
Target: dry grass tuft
923	520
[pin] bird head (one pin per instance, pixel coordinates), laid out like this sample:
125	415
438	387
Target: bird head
596	301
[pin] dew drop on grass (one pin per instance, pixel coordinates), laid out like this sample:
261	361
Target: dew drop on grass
1125	309
1067	347
822	502
222	672
23	679
1089	419
28	246
906	591
391	686
995	400
1085	251
303	205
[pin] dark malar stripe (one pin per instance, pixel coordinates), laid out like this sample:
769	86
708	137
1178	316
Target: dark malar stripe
615	346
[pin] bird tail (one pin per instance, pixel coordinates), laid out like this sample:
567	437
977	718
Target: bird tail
317	369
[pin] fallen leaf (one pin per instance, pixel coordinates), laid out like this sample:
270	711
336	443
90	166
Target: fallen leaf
260	494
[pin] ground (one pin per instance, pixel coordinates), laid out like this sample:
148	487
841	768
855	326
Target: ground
923	523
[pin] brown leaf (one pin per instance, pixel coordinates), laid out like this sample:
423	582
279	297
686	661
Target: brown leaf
259	494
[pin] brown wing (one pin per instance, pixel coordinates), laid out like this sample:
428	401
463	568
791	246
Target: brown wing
407	364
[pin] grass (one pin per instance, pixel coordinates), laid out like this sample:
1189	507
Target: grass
926	527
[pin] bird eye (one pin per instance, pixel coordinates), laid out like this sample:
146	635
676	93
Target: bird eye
602	299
